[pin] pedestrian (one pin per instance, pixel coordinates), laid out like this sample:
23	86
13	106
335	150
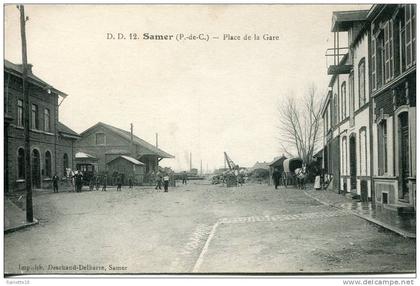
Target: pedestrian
119	182
184	178
104	178
79	182
91	183
130	182
55	180
276	177
166	182
97	182
159	181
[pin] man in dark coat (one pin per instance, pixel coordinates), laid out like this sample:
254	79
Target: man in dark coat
276	177
55	180
119	182
79	182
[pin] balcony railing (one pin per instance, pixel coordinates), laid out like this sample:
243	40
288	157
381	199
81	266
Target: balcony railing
336	61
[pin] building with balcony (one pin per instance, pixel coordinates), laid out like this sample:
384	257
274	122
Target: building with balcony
393	91
346	111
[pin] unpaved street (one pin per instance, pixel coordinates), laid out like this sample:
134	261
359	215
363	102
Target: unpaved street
200	228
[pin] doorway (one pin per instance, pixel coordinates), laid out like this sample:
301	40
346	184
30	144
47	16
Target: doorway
353	162
404	157
36	169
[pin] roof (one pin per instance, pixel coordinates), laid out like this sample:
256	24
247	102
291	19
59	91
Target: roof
83	155
127	135
260	165
342	20
66	130
277	159
128	158
18	70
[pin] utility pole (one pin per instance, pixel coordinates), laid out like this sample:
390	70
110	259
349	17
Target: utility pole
28	175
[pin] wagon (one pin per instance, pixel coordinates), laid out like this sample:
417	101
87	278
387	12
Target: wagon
289	167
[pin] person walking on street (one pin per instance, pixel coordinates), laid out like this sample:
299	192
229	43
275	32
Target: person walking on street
276	177
166	182
91	183
130	182
104	178
119	182
159	181
55	180
97	182
79	182
184	178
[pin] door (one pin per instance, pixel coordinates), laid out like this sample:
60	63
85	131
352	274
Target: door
36	169
353	162
404	158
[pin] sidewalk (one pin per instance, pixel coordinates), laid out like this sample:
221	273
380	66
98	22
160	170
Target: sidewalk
14	217
403	225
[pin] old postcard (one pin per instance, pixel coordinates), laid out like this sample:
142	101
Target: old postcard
210	139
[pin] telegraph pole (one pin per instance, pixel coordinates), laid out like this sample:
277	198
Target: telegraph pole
28	175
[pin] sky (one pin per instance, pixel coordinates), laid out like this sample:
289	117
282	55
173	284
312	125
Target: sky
203	97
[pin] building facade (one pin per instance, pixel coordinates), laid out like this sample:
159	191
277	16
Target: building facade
369	113
346	112
393	90
50	140
102	143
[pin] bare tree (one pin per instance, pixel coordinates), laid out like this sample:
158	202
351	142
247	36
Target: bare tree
300	124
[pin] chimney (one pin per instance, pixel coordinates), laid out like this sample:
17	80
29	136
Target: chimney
131	147
157	140
28	67
190	161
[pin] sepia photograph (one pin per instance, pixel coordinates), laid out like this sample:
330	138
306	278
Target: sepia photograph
210	140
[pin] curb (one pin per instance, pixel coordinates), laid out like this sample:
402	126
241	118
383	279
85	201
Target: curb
392	228
22	226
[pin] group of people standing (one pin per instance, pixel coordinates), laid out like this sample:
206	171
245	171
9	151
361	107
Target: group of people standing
162	178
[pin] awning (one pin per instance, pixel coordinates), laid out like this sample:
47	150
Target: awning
82	155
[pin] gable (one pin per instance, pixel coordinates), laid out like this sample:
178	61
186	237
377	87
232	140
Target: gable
89	138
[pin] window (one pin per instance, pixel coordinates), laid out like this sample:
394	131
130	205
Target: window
389	51
35	123
19	112
100	139
48	164
410	34
65	164
21	164
373	63
47	126
344	155
382	148
363	152
343	101
362	84
334	111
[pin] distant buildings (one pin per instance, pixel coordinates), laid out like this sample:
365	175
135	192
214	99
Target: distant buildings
51	141
369	113
103	148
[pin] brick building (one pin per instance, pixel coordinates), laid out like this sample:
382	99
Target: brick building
101	144
370	110
50	140
393	89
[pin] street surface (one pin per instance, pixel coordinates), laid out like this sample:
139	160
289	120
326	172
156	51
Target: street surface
200	228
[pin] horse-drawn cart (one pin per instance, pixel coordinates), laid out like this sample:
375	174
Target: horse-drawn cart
290	166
